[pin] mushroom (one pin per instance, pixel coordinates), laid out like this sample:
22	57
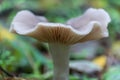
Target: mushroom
85	66
91	25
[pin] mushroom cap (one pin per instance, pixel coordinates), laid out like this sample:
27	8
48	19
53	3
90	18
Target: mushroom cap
99	19
24	20
90	26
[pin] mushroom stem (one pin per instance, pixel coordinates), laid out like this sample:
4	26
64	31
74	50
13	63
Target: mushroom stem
60	56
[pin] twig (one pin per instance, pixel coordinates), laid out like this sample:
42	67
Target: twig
7	73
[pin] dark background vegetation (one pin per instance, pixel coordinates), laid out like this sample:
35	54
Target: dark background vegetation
25	57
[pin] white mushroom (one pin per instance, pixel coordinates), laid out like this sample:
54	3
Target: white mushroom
85	66
90	26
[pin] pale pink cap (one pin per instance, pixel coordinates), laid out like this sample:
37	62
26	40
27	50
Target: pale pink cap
91	25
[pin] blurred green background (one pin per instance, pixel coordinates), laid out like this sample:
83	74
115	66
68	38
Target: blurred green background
26	57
